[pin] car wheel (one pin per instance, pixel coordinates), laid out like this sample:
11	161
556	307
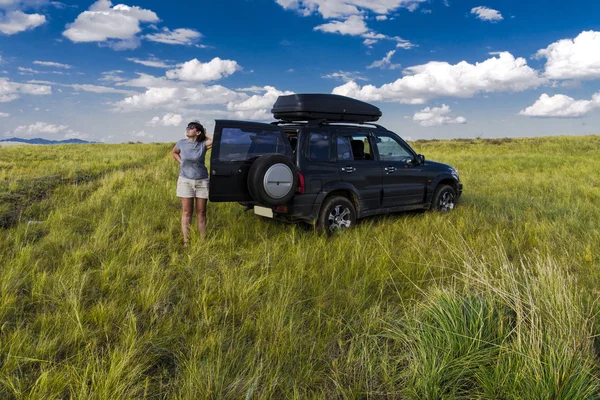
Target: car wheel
444	199
337	215
272	180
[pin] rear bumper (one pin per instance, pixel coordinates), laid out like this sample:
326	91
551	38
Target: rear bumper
301	208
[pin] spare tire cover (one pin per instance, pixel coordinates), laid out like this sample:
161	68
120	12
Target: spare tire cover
272	180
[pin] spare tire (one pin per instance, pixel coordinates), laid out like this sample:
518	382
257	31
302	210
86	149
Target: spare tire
272	180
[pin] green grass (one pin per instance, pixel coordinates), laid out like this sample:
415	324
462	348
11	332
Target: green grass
496	300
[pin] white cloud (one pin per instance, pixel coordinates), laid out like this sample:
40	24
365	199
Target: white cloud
385	62
39	128
4	115
197	71
102	22
27	71
350	16
258	102
10	91
177	97
153	62
437	116
403	43
86	87
487	14
577	58
257	107
112	76
441	79
52	64
178	36
76	135
169	119
150	81
153	97
17	21
253	89
561	106
40	82
141	134
30	71
354	25
342	8
98	89
345	76
62	6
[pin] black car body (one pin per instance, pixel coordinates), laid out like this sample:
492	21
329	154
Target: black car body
354	170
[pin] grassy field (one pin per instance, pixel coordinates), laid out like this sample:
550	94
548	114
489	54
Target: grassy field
496	300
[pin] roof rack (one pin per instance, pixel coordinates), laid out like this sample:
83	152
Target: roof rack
319	122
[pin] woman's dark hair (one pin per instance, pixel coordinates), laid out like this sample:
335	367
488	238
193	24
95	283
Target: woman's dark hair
202	136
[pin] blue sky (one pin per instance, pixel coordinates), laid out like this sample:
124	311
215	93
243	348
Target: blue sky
140	70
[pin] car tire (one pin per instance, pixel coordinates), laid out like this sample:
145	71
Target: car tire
337	215
272	180
444	199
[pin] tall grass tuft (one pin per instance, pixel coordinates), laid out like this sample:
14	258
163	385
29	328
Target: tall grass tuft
501	330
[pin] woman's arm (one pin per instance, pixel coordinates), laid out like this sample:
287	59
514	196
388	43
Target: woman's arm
208	141
175	154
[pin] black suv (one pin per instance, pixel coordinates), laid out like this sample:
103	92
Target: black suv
324	162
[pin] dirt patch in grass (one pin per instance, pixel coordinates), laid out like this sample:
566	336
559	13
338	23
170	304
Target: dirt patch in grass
14	203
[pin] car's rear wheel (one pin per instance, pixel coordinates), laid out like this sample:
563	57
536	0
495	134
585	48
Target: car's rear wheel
272	180
337	215
444	199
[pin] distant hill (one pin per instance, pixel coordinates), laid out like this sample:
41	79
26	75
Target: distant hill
46	141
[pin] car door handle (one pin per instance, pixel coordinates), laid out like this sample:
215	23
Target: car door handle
348	169
214	172
389	170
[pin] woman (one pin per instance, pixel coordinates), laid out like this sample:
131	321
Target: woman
193	177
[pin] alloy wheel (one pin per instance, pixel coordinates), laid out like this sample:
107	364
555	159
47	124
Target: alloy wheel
339	218
446	202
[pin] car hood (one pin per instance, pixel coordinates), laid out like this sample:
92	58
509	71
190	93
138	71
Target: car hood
436	168
439	166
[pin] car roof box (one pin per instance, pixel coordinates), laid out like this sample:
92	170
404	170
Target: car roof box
332	107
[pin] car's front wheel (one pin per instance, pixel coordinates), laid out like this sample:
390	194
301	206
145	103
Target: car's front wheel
337	215
444	199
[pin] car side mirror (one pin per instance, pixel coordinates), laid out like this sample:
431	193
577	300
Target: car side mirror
420	159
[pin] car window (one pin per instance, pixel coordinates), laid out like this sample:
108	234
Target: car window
344	149
391	150
238	144
354	147
318	147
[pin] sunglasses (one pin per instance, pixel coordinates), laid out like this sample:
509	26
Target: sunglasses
189	128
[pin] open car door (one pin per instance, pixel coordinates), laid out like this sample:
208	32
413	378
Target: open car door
236	145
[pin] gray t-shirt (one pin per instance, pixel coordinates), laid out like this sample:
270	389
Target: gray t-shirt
192	159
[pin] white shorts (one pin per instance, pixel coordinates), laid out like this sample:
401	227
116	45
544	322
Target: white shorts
190	188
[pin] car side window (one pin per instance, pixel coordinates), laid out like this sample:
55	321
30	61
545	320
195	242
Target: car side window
354	147
318	147
344	151
392	150
238	144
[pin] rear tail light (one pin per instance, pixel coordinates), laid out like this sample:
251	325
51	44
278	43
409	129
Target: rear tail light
282	209
300	183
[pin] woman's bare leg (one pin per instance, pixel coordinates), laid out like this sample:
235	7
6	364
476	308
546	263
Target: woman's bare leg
201	215
187	206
